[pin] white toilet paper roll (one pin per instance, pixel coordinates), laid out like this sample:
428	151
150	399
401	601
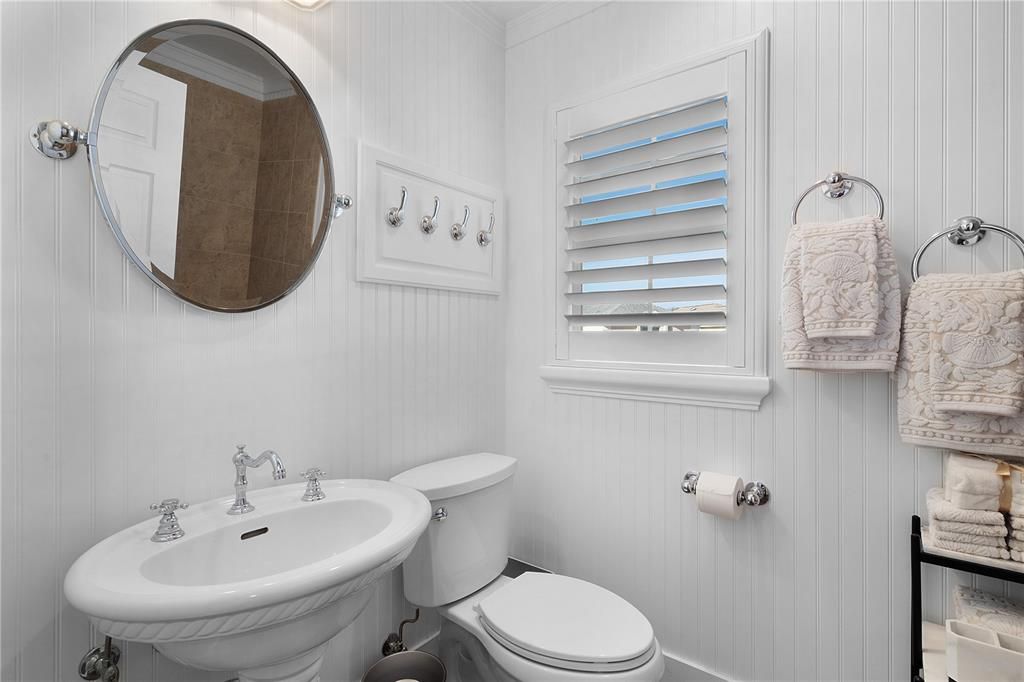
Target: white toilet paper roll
716	494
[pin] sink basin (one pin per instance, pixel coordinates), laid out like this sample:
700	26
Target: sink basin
259	594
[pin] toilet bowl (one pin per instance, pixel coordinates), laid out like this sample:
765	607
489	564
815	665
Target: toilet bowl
537	626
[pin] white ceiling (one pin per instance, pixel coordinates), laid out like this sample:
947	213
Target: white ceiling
503	11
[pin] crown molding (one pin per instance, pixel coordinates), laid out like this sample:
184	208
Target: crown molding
219	72
546	17
472	12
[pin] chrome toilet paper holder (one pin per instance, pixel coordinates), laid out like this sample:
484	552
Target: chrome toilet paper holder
754	494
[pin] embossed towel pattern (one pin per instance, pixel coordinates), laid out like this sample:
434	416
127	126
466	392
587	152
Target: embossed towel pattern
876	352
977	343
839	278
919	420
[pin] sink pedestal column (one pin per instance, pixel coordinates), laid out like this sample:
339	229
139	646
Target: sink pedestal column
302	668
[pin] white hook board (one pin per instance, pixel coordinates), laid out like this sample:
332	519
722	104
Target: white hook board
407	255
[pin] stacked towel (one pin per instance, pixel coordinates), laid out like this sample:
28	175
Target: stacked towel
973	482
961	368
988	610
840	297
1016	518
971	531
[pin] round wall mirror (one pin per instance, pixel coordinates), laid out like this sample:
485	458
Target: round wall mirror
211	165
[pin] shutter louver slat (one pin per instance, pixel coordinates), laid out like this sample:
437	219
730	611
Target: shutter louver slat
652	173
684	319
646	228
649	201
666	294
657	125
704	242
706	140
697	268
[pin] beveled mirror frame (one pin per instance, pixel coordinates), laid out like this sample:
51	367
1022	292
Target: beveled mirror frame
59	140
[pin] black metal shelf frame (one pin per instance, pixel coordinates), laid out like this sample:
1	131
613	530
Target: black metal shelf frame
919	556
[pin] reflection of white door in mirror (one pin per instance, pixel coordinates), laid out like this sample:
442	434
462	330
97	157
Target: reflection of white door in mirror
142	135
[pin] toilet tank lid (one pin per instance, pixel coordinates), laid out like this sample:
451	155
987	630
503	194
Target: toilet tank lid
458	475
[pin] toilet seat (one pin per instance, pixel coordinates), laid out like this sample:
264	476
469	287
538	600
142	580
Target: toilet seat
567	623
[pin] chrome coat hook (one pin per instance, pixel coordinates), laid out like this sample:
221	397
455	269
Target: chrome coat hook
459	229
428	223
485	237
396	214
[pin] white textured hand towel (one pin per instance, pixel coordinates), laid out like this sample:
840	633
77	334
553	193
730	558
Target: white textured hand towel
1016	522
920	423
967	538
945	512
970	548
988	610
979	529
800	350
839	278
976	361
972	482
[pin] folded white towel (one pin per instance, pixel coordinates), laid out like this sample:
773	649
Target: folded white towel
970	548
839	278
977	529
871	353
976	361
1016	544
974	501
1017	555
932	297
1017	534
969	474
941	510
972	482
988	610
971	539
1016	522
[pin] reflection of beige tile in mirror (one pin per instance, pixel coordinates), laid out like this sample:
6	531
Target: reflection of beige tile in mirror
408	254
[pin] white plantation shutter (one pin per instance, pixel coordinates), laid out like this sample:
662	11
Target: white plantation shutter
652	216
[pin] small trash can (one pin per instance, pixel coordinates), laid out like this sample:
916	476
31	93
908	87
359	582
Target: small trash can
407	666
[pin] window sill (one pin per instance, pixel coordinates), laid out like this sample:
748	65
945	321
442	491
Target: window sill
708	390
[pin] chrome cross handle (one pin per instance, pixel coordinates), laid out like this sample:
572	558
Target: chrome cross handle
313	490
168	529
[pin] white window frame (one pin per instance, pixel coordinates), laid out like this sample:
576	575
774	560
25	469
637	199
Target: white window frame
743	383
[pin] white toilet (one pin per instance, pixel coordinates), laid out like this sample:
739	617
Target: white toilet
537	626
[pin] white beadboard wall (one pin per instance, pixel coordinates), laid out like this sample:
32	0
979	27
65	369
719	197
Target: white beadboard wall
925	100
116	395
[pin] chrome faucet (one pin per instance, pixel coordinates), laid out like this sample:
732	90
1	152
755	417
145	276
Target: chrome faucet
242	460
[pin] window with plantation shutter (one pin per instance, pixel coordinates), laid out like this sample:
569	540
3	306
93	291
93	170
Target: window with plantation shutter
659	195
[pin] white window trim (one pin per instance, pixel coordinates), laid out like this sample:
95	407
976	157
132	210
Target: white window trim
730	387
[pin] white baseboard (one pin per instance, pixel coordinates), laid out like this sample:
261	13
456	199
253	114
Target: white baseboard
430	644
679	670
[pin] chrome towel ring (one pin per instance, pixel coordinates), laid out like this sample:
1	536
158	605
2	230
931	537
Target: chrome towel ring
835	186
967	231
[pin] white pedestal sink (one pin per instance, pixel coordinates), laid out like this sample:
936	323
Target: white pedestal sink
258	595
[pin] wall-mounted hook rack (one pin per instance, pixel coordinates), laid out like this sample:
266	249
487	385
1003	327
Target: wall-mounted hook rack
396	214
434	199
485	237
429	222
459	229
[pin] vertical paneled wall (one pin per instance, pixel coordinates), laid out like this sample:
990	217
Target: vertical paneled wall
115	395
925	100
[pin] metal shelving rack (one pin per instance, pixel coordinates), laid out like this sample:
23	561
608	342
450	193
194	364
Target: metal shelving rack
919	556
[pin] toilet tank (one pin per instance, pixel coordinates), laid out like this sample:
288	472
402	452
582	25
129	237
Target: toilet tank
466	543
